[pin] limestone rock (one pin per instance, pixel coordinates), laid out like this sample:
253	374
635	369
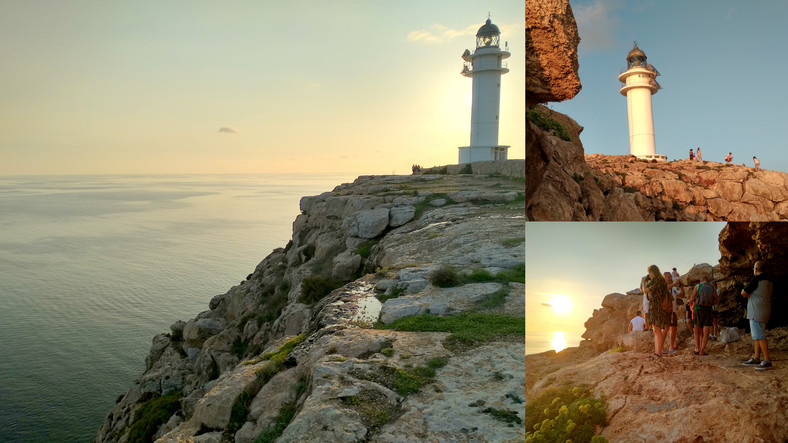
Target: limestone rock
729	335
551	42
368	223
400	215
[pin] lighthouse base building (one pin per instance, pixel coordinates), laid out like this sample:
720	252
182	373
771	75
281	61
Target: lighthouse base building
485	67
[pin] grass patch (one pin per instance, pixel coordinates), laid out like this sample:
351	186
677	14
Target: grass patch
277	358
467	328
153	413
372	406
565	413
444	277
515	274
388	352
395	292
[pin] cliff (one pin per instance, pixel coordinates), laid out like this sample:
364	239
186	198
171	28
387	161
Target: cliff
395	313
683	397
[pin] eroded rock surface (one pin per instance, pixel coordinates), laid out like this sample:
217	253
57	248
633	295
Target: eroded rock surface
282	342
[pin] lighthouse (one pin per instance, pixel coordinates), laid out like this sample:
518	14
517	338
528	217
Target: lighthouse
638	85
485	67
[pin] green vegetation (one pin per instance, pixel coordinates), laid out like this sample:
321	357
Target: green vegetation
315	287
388	352
576	177
504	415
617	349
468	328
395	292
565	413
547	123
238	413
365	248
277	359
511	242
468	169
372	406
240	347
151	415
496	299
446	276
275	430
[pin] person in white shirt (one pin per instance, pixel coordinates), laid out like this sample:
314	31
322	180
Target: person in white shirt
637	324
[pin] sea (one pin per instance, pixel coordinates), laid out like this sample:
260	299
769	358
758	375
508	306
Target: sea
92	267
537	342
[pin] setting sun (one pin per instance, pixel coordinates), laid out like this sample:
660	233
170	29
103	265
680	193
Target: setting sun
561	304
559	341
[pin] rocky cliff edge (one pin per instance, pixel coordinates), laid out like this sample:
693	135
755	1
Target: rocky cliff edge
304	350
683	397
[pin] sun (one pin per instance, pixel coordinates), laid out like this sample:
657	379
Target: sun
561	304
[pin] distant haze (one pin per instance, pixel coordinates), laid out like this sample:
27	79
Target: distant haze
245	86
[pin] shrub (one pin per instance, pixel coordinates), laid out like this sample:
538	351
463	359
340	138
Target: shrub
314	288
444	277
365	248
152	415
564	413
547	123
515	274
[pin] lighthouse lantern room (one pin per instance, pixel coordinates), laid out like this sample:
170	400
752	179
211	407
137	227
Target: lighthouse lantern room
485	67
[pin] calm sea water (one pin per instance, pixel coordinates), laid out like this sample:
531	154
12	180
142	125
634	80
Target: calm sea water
536	342
92	267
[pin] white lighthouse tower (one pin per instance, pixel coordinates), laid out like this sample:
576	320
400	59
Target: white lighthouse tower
485	68
638	85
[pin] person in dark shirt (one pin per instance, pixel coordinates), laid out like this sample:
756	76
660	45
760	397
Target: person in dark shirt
759	308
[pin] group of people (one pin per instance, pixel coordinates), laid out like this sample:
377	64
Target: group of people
660	295
728	158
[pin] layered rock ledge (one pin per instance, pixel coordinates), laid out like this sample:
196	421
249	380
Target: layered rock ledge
284	355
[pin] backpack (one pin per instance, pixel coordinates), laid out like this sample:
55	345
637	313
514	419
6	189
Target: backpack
667	302
705	295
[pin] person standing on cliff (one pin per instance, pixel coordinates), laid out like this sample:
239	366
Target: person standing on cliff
704	295
692	155
757	163
759	308
700	158
656	288
673	318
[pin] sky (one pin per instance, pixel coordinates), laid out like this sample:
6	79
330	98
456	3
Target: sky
361	87
571	267
720	62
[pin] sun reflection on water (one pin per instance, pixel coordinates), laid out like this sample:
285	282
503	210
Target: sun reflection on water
559	341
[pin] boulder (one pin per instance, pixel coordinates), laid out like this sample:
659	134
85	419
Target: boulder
399	215
729	335
367	223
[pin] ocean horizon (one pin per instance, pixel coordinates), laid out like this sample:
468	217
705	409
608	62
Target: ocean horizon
538	342
93	267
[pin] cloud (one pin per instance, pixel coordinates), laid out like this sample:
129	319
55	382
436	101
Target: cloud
229	130
597	22
730	13
439	33
547	304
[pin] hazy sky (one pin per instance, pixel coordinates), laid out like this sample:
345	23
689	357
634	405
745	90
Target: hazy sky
718	59
363	87
586	261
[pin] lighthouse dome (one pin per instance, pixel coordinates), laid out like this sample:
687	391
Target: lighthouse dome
636	52
487	35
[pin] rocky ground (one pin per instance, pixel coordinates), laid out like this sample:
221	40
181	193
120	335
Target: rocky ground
275	357
678	398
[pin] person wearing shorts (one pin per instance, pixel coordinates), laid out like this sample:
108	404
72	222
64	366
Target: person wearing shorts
759	308
702	318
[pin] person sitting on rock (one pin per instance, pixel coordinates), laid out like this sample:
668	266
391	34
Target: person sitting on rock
729	158
637	324
759	308
704	295
757	163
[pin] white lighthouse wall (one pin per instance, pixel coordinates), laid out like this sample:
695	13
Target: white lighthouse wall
641	122
485	108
